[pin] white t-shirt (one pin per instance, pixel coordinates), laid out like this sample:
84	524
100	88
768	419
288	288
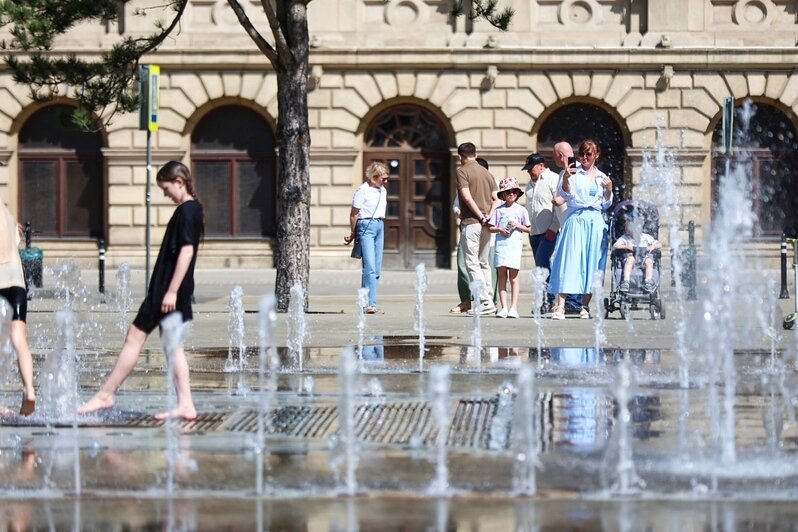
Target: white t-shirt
371	201
644	241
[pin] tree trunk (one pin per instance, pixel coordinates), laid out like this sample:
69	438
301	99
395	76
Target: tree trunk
293	137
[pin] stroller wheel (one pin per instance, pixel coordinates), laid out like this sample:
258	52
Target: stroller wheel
661	309
789	320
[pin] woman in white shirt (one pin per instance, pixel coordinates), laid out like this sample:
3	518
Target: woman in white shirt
366	220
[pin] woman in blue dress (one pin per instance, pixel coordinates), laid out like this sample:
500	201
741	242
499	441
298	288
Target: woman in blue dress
582	241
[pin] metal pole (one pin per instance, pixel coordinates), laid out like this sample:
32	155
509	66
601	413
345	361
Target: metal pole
691	265
785	294
101	265
148	201
101	268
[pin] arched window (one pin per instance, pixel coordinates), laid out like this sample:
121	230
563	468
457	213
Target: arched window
770	145
233	161
414	145
61	176
576	122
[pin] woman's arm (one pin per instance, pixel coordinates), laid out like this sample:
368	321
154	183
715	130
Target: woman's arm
353	214
169	302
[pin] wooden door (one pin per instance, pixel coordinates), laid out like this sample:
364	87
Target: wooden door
417	215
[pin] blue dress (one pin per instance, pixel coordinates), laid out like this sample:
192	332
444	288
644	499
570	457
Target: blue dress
581	247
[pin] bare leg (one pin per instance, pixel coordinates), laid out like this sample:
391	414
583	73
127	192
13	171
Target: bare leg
503	286
586	299
125	363
515	285
649	269
628	264
19	338
185	404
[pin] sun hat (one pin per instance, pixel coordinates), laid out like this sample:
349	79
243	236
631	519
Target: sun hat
509	183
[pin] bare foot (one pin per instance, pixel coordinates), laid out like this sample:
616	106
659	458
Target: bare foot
28	404
181	412
100	401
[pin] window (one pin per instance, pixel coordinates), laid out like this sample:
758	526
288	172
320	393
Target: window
233	162
767	146
576	122
61	176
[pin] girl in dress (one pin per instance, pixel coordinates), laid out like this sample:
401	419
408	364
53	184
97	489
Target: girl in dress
509	222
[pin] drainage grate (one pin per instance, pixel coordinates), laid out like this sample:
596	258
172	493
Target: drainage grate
297	421
203	423
385	423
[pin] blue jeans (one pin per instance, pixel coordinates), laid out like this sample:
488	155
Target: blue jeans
542	250
372	239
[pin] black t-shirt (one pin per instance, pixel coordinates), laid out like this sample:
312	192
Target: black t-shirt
184	228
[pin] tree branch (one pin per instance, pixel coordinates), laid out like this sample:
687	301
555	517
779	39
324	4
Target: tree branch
280	42
262	44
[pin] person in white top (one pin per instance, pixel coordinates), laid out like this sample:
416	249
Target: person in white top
582	245
645	244
366	219
541	192
12	289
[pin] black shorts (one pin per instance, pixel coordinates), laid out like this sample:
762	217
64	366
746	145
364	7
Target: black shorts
149	317
17	297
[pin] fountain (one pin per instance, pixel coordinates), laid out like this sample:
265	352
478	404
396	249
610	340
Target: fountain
123	299
237	350
418	325
297	324
685	423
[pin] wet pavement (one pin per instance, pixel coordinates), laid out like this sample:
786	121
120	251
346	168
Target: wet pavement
271	451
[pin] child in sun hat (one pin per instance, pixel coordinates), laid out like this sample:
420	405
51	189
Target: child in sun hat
509	222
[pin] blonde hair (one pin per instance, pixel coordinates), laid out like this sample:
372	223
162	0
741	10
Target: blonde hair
375	169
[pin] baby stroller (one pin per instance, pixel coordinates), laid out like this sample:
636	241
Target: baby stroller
637	217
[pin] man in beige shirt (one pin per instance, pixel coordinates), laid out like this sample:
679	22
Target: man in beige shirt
476	190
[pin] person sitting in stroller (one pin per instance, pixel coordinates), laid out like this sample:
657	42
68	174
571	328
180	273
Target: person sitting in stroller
641	248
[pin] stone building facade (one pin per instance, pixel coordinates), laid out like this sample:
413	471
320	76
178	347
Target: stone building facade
404	82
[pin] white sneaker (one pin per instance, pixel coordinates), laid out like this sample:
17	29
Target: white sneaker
484	309
513	313
502	313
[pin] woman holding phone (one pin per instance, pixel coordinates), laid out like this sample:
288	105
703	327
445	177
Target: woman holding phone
577	255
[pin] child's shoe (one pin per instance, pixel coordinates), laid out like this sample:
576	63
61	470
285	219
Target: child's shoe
624	286
558	313
513	313
648	286
502	313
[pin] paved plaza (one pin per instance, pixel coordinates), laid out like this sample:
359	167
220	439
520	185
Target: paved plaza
272	451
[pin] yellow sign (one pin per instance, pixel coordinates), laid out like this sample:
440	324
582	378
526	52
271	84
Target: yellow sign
149	82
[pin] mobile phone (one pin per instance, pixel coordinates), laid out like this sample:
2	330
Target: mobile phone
572	162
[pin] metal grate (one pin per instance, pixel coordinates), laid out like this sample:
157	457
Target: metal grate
385	423
203	423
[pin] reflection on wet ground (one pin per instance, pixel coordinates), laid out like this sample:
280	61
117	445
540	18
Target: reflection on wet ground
122	453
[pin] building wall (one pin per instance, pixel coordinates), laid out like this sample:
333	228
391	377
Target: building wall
662	69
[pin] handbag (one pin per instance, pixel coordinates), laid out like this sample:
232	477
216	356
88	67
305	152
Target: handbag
357	249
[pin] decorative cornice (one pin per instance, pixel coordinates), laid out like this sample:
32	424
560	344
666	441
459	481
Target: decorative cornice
524	58
683	156
336	157
136	156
